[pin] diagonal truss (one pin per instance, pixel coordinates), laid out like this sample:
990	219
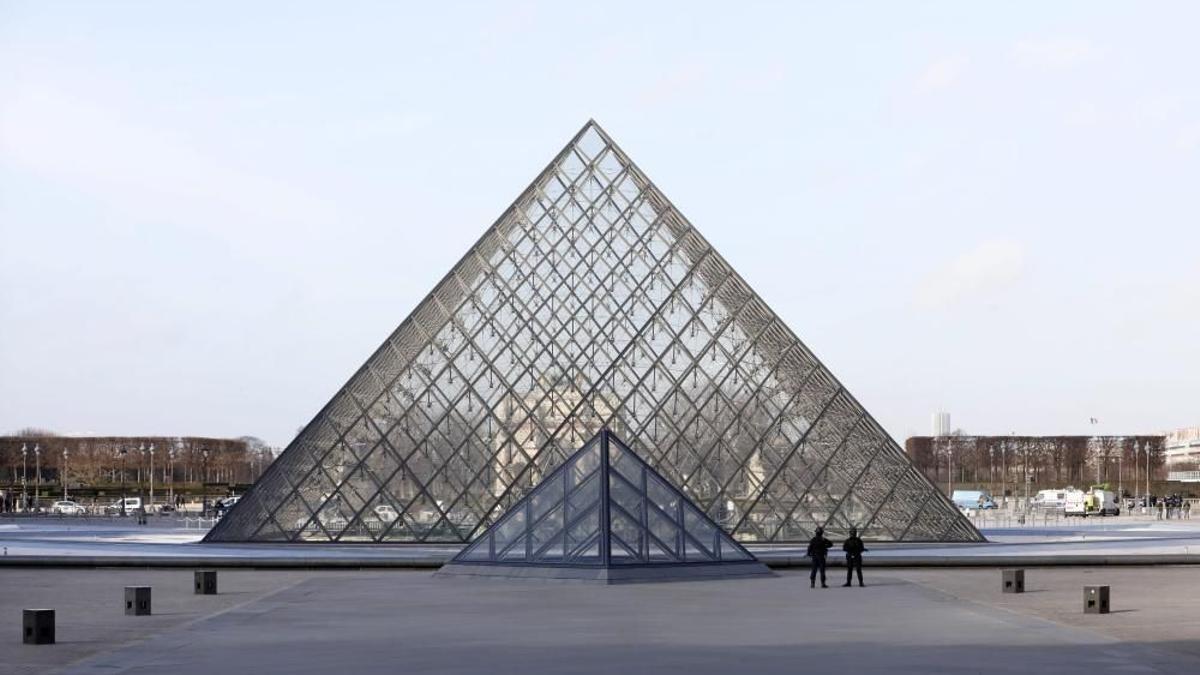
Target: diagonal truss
590	303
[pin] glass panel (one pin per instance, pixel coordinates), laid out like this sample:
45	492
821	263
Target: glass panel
623	495
480	550
510	530
666	531
547	536
584	496
583	530
626	538
662	496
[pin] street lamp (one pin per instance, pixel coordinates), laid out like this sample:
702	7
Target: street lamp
203	487
1120	477
949	470
24	479
992	469
1004	472
141	460
1137	448
63	477
1146	446
123	451
151	502
37	462
171	473
1025	475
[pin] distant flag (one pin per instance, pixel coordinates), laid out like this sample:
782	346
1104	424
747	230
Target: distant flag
1093	420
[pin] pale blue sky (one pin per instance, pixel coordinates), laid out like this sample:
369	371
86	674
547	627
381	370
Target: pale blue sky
212	213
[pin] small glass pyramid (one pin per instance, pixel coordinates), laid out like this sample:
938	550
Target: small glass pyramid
605	515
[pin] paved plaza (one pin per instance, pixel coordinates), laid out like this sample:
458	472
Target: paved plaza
904	621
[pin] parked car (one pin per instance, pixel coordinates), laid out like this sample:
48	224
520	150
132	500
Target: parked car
332	522
973	499
385	512
132	504
224	504
67	507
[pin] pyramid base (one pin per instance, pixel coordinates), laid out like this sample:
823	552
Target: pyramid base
632	574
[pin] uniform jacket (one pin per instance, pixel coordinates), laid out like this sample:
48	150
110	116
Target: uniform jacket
818	546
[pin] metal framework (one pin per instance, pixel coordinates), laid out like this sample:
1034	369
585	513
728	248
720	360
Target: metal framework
605	515
604	506
591	303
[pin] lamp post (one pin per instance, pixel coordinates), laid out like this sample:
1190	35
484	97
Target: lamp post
949	471
1004	472
1146	445
151	502
37	471
63	477
1120	478
1025	474
141	460
171	473
24	479
203	487
992	468
123	451
1137	448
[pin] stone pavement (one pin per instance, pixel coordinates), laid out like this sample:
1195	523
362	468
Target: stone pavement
1150	605
89	608
408	621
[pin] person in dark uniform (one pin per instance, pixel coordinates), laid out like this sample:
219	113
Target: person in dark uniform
854	549
818	548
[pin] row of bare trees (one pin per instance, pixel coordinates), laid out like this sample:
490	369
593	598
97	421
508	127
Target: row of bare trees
113	459
1008	461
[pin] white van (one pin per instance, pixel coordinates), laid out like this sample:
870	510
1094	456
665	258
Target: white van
972	499
132	504
1075	503
1104	502
1050	499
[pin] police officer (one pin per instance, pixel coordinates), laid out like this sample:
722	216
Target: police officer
854	549
818	548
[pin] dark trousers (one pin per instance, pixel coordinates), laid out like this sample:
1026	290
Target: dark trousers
854	564
818	563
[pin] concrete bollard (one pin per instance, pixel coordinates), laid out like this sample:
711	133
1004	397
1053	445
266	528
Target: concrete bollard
38	626
137	600
206	582
1014	581
1095	599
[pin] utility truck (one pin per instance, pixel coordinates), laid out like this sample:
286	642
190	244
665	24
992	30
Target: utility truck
1095	502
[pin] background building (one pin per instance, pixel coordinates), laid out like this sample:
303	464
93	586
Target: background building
1182	449
941	424
1002	464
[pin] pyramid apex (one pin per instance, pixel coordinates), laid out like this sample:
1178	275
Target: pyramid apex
591	123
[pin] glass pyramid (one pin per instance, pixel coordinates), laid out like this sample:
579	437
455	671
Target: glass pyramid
590	303
608	513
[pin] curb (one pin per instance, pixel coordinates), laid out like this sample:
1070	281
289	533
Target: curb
433	562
